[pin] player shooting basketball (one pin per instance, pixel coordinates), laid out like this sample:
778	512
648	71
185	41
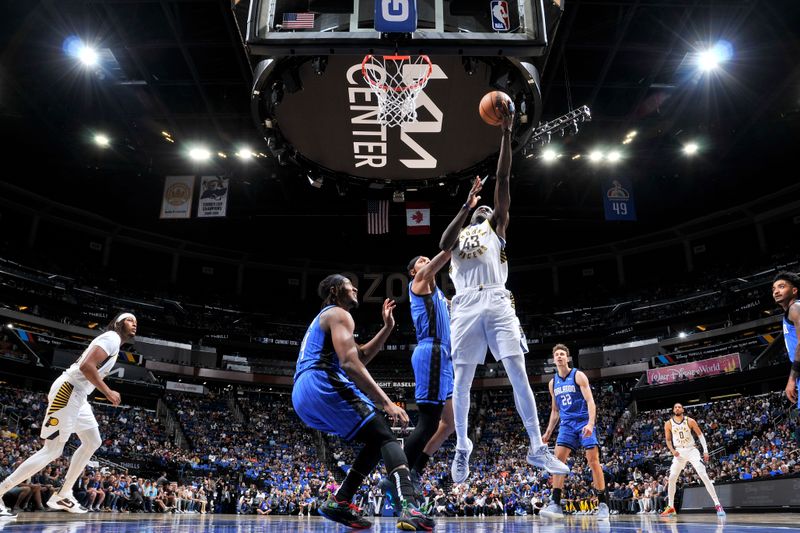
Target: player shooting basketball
482	311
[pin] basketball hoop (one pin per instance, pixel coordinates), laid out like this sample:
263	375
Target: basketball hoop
396	81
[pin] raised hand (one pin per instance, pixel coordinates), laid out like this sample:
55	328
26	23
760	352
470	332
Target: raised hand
473	198
386	312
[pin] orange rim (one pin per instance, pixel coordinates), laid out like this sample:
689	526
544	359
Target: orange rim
401	88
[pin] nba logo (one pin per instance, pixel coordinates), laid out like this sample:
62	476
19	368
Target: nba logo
500	21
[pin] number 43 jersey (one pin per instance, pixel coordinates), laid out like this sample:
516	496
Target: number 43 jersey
569	398
479	258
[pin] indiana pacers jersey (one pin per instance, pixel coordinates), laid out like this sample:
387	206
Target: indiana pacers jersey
570	400
682	434
430	316
479	258
316	350
110	342
789	336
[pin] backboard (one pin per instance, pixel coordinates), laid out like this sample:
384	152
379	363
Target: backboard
516	28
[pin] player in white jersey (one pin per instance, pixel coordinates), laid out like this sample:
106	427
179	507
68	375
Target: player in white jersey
68	412
680	441
483	316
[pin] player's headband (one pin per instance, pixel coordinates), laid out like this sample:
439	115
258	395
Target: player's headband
123	316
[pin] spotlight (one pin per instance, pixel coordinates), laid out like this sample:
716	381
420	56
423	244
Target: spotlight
596	156
690	148
710	59
101	140
613	156
549	155
87	55
631	134
199	153
682	334
244	153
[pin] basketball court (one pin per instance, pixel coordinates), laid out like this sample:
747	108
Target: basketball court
115	523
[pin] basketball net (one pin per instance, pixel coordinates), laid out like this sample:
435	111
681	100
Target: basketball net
396	81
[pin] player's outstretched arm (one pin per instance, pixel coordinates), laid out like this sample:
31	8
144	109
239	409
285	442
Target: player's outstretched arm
341	326
502	188
426	275
583	382
554	416
450	235
371	348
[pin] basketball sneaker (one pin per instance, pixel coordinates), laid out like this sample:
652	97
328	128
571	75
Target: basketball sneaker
5	512
345	513
553	511
542	458
68	503
602	512
720	511
459	470
669	511
412	519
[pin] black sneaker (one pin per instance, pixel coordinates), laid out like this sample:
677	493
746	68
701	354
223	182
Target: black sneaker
344	512
412	519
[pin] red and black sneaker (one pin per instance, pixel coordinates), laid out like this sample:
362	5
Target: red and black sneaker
345	513
412	519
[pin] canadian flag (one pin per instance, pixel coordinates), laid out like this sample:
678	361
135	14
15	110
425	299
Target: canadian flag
418	218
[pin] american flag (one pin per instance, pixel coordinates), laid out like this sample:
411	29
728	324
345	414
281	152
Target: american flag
298	20
377	217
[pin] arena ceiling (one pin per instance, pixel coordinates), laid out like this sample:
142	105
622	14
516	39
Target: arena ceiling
179	67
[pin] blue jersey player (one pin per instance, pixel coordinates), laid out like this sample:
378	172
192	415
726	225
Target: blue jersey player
332	391
433	367
784	290
573	404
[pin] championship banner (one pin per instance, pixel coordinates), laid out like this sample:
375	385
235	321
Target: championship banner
418	218
698	369
618	200
177	200
213	200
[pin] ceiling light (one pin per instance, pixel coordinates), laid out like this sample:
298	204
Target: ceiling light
596	156
199	154
549	155
87	56
101	140
690	149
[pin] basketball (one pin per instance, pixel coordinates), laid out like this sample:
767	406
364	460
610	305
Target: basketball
491	105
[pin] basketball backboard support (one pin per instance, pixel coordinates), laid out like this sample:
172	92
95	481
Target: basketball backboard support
516	28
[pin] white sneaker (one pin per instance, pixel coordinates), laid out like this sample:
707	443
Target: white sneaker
459	470
602	512
542	458
553	511
68	503
5	512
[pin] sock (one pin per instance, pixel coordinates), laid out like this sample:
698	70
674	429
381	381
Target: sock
557	496
401	479
602	496
421	463
349	486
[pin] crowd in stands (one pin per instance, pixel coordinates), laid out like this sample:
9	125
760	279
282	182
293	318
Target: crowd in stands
252	455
